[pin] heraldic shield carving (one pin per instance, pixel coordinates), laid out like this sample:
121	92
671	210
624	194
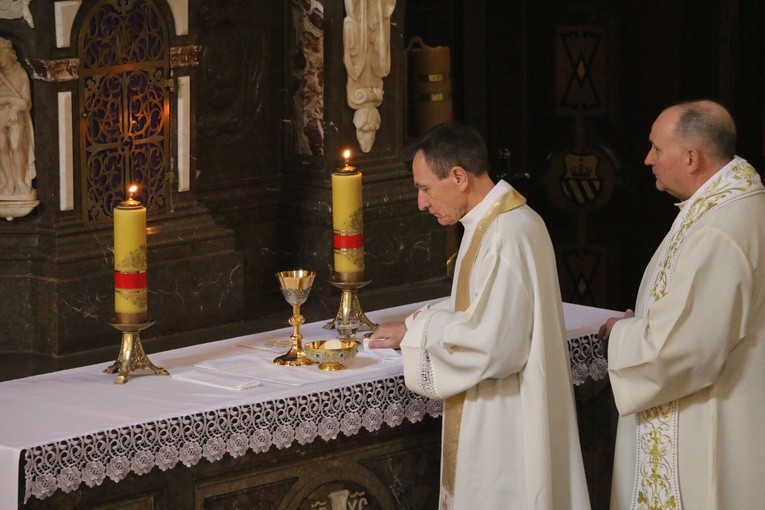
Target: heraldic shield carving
581	180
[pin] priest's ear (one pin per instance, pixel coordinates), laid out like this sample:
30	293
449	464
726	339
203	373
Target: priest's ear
694	159
459	177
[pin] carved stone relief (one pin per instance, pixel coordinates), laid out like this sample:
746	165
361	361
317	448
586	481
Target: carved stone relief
17	157
366	47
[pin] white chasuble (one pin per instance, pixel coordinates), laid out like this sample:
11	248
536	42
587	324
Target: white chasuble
683	369
495	351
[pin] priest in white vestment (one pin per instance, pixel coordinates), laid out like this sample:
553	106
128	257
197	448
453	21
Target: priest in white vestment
688	370
495	350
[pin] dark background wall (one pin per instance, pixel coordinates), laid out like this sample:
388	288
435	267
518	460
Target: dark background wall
654	53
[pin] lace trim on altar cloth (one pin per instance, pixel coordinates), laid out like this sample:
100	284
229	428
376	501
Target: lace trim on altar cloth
212	434
587	359
114	453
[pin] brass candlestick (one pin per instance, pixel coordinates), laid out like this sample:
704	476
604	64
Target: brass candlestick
295	286
350	309
132	356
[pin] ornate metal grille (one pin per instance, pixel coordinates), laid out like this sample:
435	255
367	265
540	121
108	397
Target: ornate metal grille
124	105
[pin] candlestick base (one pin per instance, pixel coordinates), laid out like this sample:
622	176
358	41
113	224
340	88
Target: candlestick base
132	356
350	308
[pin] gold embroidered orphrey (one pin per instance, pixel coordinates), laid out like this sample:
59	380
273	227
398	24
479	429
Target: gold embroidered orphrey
453	405
656	474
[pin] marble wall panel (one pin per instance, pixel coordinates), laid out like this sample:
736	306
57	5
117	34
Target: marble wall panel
19	316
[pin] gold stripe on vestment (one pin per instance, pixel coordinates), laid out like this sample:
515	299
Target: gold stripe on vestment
453	405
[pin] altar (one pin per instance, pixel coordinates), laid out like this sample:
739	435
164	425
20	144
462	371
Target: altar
229	428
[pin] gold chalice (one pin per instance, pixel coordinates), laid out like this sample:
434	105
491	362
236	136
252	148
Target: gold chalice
295	286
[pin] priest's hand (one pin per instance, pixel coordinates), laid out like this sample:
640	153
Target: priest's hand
605	330
387	336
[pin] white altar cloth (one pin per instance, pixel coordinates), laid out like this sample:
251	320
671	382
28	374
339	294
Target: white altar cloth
76	426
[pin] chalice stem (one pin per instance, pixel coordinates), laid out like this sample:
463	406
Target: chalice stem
295	356
296	320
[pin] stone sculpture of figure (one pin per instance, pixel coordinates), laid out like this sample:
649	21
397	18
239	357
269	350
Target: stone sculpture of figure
366	55
14	9
17	162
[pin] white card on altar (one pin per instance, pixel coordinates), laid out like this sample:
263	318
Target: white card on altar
217	379
385	354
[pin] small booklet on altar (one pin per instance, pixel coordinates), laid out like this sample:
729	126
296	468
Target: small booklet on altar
385	354
218	379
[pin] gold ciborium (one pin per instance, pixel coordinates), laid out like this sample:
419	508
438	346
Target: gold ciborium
332	358
295	285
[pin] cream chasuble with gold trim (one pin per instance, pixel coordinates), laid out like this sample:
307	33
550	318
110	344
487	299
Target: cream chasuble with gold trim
495	352
453	405
666	364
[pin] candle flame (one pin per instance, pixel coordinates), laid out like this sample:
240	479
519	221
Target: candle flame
132	189
346	155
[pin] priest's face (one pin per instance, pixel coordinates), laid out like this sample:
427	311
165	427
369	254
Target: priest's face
667	155
443	198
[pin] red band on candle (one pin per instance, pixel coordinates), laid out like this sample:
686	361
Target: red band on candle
129	281
348	242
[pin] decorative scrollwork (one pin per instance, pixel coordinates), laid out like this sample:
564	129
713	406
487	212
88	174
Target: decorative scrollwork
124	61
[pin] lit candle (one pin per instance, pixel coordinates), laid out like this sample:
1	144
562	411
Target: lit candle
130	261
347	222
